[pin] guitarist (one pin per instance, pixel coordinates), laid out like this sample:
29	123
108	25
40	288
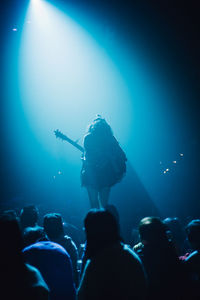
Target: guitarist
104	162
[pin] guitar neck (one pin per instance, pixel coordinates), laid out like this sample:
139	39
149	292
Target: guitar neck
63	137
74	144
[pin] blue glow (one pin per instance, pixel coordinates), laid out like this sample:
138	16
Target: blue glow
65	77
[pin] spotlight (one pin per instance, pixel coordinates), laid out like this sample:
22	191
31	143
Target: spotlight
35	2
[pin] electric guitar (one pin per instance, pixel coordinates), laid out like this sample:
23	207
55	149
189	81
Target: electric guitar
63	137
118	161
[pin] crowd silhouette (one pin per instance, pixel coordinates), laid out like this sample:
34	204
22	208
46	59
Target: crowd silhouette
39	261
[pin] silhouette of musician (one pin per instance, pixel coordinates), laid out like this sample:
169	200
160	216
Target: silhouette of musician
104	162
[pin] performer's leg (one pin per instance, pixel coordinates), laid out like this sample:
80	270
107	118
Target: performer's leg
93	197
104	196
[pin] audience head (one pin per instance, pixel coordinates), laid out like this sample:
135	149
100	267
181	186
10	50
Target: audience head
11	212
53	225
193	233
33	235
174	225
177	233
99	126
102	230
11	239
113	210
29	216
152	231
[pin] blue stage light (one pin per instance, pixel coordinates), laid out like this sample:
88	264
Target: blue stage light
61	73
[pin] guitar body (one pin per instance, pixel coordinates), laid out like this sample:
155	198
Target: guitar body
105	162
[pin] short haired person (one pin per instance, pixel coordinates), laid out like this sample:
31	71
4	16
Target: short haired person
53	227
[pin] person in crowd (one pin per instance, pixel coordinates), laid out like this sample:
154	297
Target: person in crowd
55	266
12	213
158	254
53	226
178	234
192	262
76	233
104	162
29	217
113	210
33	235
113	270
18	279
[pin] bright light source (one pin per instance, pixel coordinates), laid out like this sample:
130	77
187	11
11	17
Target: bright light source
71	78
67	72
36	3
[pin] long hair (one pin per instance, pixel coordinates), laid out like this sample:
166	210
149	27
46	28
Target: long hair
102	230
100	127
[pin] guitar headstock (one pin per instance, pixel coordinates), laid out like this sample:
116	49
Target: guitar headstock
60	135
